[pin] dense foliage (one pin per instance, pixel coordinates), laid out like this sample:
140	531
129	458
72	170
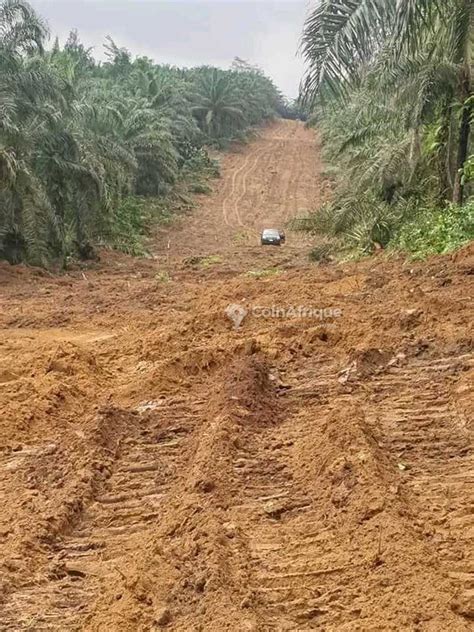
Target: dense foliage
90	151
389	85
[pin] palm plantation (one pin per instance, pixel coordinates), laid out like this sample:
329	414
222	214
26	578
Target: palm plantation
390	85
92	152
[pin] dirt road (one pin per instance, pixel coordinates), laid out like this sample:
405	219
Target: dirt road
263	185
162	469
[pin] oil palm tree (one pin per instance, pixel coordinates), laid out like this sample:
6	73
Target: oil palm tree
343	38
23	200
21	30
83	144
216	104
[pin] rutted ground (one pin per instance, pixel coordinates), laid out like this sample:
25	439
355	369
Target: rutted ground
160	469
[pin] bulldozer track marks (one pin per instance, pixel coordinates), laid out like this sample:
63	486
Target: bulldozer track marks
105	535
423	431
163	469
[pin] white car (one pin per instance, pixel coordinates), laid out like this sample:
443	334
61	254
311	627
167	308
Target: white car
272	237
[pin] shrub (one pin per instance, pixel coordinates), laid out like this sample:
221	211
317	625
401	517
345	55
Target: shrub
436	231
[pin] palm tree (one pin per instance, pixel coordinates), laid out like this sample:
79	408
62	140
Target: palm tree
83	146
343	38
216	104
23	202
21	30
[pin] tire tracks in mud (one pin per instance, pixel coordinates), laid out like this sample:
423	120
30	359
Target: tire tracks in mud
243	188
233	185
239	182
98	548
427	436
260	165
241	495
304	568
291	197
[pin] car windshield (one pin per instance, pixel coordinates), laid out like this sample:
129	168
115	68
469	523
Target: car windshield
271	233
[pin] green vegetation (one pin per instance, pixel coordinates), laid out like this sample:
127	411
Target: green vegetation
389	86
211	260
162	277
93	153
203	262
438	231
263	274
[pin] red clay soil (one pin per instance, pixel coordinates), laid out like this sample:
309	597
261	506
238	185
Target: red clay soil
161	468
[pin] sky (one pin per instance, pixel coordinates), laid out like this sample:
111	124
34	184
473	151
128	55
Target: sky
191	32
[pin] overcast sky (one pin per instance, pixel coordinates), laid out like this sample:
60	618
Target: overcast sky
191	32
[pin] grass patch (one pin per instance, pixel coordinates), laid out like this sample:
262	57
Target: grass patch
200	188
359	227
240	237
162	277
436	231
203	262
132	218
263	274
212	260
130	222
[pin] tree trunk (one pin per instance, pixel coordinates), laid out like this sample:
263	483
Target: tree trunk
443	162
463	147
465	94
